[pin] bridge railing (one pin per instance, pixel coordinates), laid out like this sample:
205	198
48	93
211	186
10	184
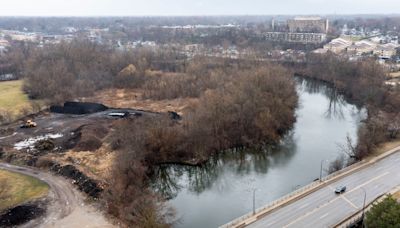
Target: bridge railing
314	186
271	204
291	195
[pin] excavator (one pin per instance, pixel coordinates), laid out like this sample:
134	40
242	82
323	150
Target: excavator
29	124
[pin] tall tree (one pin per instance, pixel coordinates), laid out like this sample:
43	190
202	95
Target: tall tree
384	214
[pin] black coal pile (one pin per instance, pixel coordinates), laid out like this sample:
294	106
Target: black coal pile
20	215
84	183
174	115
78	108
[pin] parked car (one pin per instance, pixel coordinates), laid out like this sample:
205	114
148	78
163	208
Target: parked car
340	189
118	114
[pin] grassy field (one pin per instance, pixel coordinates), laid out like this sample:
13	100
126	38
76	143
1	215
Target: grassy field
12	98
16	189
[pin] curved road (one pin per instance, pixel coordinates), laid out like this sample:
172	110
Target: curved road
67	206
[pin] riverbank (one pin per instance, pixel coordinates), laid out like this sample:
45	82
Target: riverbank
323	122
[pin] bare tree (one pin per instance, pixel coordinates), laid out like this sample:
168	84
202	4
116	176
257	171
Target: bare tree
338	164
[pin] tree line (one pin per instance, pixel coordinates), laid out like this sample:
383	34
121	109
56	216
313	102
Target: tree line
241	108
363	83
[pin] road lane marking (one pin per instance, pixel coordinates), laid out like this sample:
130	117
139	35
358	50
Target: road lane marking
319	207
324	216
269	224
304	205
348	201
365	183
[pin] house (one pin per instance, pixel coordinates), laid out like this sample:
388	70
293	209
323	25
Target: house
3	46
362	47
337	45
386	50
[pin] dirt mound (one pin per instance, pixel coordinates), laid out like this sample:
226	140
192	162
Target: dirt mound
44	145
78	108
87	138
88	143
83	182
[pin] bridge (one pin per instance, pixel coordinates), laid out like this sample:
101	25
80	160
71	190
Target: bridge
316	205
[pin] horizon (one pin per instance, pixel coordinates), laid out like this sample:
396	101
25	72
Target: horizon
175	8
200	15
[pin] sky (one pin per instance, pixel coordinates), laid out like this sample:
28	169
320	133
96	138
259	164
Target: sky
194	7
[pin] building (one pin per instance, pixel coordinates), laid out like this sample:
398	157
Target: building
299	30
4	44
386	51
308	25
296	37
338	45
362	47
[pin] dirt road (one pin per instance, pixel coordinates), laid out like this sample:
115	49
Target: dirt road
67	207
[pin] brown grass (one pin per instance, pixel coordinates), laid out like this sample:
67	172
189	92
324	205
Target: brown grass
396	195
132	98
19	189
395	74
384	147
95	164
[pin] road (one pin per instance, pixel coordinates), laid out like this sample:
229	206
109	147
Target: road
67	207
323	208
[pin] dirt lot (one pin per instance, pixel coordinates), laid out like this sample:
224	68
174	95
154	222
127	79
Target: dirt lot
73	146
78	140
132	98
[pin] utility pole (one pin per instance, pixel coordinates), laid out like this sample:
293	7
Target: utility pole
254	201
363	209
320	171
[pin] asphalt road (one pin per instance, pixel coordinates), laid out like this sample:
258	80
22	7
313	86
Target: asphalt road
324	208
66	205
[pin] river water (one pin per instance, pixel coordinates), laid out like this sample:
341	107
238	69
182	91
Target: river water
222	190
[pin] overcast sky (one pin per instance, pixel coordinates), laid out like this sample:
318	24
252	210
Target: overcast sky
193	7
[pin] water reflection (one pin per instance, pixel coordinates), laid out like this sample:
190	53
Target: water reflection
239	161
337	101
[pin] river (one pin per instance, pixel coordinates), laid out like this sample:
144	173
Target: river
222	189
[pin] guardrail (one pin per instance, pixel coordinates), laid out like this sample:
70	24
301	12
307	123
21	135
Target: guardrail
293	195
270	205
302	192
357	217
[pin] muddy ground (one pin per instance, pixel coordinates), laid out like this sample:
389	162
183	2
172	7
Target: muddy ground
61	143
53	144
